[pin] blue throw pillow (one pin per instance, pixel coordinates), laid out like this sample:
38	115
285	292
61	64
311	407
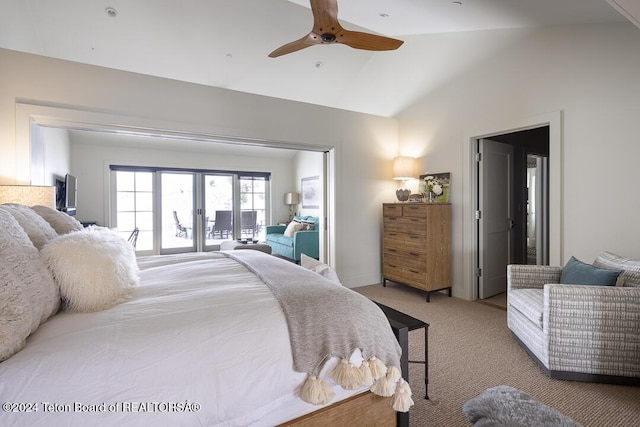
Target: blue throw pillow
578	273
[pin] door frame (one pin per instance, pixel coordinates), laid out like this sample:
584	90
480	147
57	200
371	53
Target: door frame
30	115
470	197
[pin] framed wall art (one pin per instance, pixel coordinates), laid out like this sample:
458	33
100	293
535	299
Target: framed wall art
439	184
311	192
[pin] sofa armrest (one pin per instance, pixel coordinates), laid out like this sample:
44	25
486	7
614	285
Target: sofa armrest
598	326
276	229
307	241
531	276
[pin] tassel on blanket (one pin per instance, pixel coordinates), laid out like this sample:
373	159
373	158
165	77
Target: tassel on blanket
347	375
378	370
316	391
401	400
384	386
365	372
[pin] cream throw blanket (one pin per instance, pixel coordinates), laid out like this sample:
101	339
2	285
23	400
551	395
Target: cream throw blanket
326	320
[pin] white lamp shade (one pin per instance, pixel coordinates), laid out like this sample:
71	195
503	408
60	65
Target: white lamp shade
404	167
29	195
291	198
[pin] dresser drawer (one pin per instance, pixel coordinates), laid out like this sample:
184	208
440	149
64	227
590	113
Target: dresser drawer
404	241
414	210
400	274
412	260
391	210
406	224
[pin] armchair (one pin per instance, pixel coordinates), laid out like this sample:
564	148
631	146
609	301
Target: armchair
303	241
578	332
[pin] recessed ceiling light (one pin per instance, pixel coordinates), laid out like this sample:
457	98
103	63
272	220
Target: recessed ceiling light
319	64
111	12
459	3
384	15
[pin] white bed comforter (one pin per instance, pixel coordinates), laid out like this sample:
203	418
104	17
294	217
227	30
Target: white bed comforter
202	342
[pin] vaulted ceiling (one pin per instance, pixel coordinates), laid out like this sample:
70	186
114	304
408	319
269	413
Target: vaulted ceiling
225	43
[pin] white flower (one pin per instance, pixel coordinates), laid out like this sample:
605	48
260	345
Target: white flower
431	185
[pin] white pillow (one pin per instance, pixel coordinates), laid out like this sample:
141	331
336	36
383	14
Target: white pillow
60	221
320	268
293	228
38	230
28	295
95	268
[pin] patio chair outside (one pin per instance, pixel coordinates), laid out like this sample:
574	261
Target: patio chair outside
223	224
181	229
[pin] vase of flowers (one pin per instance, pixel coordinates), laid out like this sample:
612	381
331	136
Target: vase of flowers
432	188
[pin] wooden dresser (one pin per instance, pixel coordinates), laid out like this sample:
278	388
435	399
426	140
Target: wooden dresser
416	245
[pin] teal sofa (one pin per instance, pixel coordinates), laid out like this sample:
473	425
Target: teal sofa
303	242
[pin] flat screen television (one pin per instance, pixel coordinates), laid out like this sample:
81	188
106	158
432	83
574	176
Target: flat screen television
67	194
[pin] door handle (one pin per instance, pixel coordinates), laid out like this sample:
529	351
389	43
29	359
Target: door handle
512	224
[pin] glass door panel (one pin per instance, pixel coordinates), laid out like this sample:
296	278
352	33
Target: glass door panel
177	210
252	207
218	208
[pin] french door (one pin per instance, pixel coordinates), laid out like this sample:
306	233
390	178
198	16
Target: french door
186	211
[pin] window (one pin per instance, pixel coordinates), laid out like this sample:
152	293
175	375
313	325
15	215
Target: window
134	206
253	207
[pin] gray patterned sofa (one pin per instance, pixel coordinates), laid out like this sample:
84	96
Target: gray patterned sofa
576	331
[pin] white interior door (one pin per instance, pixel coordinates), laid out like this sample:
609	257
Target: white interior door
496	219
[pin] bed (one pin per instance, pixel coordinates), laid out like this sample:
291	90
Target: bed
201	339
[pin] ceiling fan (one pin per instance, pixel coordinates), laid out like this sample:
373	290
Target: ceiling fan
327	29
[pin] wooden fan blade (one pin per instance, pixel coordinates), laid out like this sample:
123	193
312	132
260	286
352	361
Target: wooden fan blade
367	41
325	16
306	41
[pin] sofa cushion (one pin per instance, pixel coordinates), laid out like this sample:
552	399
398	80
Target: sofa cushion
308	220
529	302
576	272
280	239
631	267
293	228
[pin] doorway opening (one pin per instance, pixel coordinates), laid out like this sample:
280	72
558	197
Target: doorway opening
512	205
31	119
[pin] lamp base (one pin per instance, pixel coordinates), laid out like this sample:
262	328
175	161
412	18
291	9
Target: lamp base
403	194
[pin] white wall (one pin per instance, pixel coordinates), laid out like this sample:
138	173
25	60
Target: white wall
589	73
90	164
364	144
50	154
307	164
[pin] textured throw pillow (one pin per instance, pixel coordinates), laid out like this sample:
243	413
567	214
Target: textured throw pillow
292	228
579	273
38	230
95	268
307	225
28	295
60	221
631	268
320	268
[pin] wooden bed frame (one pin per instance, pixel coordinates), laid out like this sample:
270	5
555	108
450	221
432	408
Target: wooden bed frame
364	409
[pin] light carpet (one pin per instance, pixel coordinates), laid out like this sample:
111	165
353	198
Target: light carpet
471	349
